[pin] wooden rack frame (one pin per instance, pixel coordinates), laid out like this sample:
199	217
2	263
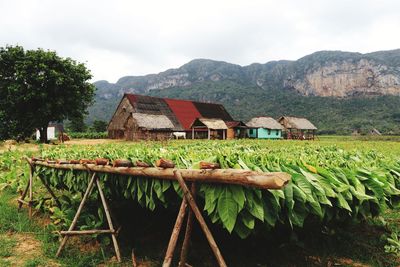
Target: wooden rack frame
274	180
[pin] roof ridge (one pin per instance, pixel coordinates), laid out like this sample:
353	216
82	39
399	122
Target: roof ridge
193	101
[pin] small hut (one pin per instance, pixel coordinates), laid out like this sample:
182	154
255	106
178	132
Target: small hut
264	128
236	129
374	131
54	129
203	128
298	128
147	126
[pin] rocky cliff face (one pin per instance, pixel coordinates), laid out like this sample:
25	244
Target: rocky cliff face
348	78
326	73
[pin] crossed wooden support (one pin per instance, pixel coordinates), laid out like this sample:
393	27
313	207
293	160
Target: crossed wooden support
189	198
94	182
188	205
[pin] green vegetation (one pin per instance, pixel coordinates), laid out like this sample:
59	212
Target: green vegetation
88	135
267	90
328	184
339	205
331	115
37	87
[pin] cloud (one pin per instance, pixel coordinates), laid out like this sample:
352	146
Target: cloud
118	38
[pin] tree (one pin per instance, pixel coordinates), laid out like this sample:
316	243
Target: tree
99	126
77	125
37	87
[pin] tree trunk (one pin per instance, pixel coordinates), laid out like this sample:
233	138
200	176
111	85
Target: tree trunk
43	134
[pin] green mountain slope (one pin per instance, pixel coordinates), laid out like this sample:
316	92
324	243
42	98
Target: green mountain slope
338	91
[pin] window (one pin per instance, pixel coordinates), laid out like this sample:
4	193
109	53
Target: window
277	132
269	131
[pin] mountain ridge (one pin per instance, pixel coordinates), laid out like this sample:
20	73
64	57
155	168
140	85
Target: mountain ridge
323	77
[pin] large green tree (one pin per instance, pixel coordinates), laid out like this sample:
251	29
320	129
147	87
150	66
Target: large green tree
38	86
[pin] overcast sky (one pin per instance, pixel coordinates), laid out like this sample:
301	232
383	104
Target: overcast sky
119	38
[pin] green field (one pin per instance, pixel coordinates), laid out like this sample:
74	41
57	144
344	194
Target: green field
341	188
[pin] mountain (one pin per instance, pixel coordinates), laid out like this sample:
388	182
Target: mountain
339	91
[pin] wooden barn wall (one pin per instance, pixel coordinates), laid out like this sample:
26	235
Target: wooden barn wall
119	119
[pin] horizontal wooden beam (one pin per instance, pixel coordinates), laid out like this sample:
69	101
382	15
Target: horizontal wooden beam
262	180
86	232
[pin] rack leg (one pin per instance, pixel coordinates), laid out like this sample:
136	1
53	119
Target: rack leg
24	194
30	192
51	192
189	198
75	220
110	224
175	234
188	232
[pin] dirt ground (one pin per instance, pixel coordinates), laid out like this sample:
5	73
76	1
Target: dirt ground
90	141
26	248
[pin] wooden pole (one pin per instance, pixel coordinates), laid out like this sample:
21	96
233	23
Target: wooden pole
30	191
200	219
209	133
262	180
50	191
192	132
21	199
175	234
86	232
110	224
188	232
78	212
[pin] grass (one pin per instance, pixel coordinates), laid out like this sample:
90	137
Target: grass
6	246
13	222
350	245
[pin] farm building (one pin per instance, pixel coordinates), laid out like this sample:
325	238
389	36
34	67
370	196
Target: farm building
203	128
159	117
53	130
298	128
264	128
236	129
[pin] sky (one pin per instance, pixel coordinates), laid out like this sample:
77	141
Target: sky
120	38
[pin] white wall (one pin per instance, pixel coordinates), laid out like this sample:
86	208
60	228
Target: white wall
51	133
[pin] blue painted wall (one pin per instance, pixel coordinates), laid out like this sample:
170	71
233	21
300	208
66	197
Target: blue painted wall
264	133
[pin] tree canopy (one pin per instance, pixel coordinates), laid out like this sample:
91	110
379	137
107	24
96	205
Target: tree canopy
38	87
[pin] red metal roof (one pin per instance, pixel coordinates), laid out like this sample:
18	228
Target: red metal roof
184	110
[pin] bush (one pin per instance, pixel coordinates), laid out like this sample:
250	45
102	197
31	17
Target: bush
88	135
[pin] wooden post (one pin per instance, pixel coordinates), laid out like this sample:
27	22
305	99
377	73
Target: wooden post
223	134
110	224
51	192
20	200
30	191
200	219
175	234
78	213
209	133
192	132
188	232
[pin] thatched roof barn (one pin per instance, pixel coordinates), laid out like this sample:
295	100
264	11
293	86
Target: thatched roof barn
216	128
264	128
298	128
177	114
152	122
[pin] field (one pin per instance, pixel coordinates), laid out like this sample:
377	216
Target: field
340	207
